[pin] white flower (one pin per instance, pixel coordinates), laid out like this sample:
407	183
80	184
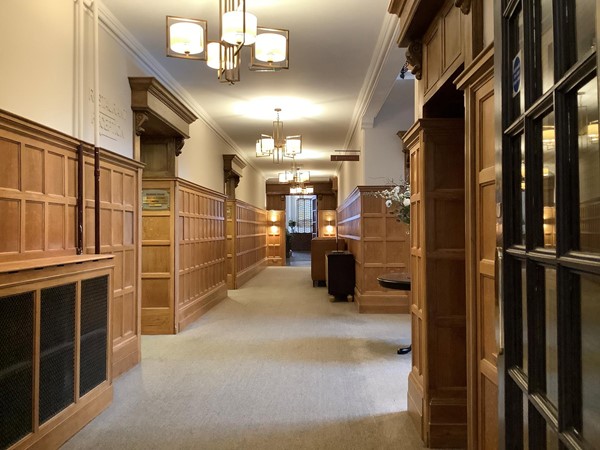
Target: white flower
388	203
406	202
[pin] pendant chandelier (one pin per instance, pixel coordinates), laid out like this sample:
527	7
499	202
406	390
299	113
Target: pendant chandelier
300	189
277	145
295	175
188	39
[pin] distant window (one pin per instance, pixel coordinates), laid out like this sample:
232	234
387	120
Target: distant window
304	215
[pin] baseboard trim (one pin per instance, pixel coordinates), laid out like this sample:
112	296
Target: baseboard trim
196	309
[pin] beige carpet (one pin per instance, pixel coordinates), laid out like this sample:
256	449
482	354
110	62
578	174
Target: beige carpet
274	366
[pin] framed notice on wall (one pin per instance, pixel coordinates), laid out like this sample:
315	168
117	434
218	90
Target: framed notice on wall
155	199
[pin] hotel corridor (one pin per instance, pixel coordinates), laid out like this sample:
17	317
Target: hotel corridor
274	366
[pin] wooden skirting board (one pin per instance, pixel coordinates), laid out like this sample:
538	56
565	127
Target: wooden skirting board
197	308
249	273
381	303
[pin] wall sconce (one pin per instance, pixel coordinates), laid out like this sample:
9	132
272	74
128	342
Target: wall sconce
329	231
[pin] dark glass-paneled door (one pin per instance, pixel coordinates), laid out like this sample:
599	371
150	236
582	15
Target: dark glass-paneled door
550	382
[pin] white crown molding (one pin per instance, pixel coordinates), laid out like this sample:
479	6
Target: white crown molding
389	29
112	25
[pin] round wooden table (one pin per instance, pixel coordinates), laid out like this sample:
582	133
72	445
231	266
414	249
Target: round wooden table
399	281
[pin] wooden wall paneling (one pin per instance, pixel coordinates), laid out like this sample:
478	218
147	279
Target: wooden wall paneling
158	262
38	197
438	261
201	282
443	49
250	239
482	382
276	231
119	236
379	244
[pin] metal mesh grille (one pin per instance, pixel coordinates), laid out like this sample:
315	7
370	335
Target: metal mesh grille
93	333
16	367
57	348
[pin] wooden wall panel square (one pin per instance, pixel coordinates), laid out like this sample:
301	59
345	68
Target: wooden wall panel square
10	226
32	169
34	225
54	173
9	169
56	226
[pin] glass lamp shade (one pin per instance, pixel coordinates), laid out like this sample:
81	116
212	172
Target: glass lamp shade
270	47
186	38
264	146
213	55
308	190
216	52
302	176
233	28
293	145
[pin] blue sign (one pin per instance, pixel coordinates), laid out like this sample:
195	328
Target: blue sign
516	74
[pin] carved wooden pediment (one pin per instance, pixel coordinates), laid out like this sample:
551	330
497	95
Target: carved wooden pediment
158	112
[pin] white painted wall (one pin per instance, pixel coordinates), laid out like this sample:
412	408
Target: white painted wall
38	81
36	50
384	160
381	157
352	174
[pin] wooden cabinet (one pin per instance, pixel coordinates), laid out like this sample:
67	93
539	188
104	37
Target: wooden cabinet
437	382
56	353
183	253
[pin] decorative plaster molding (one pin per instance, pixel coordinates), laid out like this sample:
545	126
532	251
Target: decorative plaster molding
464	5
389	30
414	58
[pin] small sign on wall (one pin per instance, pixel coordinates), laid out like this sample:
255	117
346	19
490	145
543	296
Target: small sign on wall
155	199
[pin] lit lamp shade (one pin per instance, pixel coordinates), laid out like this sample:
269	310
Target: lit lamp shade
293	145
270	47
308	190
592	131
213	55
271	51
303	176
186	38
233	28
264	146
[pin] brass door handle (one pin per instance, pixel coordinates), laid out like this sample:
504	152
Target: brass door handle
498	282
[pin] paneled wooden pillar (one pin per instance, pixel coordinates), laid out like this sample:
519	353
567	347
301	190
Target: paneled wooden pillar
437	383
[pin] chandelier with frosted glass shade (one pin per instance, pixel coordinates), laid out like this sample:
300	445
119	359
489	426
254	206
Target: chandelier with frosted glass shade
188	39
277	145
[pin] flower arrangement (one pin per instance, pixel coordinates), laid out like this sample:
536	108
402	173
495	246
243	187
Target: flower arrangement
397	199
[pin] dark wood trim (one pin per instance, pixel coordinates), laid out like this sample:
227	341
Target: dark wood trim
96	199
80	212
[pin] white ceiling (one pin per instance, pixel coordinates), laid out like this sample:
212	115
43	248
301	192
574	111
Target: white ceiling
336	47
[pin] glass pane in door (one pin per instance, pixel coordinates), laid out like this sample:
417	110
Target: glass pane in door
524	314
547	50
589	167
585	19
551	337
516	66
519	145
549	180
590	357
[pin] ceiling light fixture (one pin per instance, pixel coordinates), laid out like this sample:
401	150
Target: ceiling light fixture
277	145
295	175
188	39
